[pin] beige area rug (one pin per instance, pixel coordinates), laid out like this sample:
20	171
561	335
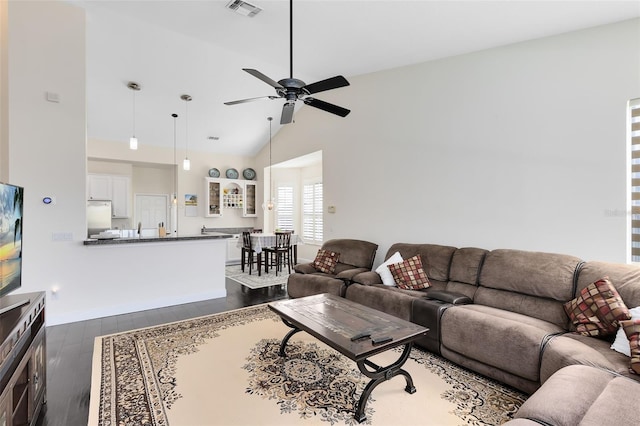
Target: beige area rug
254	280
224	369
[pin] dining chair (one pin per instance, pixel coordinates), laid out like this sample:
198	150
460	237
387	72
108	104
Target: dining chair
248	253
279	253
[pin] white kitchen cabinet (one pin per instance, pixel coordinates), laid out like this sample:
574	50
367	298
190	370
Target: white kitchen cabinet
230	194
249	207
116	188
212	198
98	187
120	198
233	251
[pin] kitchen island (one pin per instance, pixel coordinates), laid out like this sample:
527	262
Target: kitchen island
136	274
135	240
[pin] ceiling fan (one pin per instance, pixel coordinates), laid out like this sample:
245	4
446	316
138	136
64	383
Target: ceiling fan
293	89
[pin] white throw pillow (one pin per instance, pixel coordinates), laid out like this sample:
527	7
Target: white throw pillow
383	270
621	344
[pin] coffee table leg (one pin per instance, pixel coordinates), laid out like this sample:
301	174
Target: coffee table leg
293	331
382	374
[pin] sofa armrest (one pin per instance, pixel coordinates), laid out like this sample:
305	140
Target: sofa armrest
449	297
304	268
367	278
350	273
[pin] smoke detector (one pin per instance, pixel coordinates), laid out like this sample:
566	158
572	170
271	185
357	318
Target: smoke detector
243	8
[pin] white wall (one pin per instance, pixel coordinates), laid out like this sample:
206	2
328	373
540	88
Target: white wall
47	155
521	146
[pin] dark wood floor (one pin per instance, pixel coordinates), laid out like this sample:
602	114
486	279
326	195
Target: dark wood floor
70	348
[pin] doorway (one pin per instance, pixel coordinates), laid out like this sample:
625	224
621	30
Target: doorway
151	210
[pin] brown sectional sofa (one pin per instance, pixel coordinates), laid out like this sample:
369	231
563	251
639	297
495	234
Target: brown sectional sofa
513	327
500	313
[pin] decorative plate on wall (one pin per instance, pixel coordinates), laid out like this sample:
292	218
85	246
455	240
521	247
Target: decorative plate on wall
249	174
214	173
232	174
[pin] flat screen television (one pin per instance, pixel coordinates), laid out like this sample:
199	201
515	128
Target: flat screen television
11	223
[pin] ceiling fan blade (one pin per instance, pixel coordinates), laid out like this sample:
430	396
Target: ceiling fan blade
328	84
241	101
263	77
326	106
287	113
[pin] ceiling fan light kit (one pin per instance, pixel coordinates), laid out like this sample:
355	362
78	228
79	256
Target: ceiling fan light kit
292	89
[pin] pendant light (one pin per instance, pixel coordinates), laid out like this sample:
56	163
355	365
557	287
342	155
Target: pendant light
270	204
175	162
133	141
186	164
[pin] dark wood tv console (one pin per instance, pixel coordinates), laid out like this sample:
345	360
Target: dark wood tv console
22	361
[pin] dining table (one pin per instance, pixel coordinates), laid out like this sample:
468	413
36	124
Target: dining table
260	240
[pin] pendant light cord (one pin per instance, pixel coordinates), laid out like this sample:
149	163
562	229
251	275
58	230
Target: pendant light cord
270	168
134	113
186	128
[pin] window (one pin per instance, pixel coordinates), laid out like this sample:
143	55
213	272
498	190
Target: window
284	209
634	132
312	213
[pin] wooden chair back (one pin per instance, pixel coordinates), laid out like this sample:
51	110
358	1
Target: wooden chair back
246	240
283	240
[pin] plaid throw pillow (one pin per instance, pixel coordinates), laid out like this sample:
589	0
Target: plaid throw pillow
409	274
598	309
632	330
326	261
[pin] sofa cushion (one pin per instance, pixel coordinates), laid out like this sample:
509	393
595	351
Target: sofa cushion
391	300
385	273
304	268
409	274
301	285
358	253
625	277
466	264
572	348
583	395
621	344
597	309
538	274
632	330
506	340
436	259
326	261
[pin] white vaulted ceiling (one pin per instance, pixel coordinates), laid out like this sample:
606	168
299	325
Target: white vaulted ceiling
200	47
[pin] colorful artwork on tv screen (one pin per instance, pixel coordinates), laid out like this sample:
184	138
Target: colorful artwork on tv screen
11	204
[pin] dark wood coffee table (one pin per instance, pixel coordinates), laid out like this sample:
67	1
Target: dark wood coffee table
335	321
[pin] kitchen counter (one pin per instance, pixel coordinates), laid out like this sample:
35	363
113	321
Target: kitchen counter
131	274
135	240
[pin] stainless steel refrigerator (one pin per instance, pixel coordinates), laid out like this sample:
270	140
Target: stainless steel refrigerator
98	216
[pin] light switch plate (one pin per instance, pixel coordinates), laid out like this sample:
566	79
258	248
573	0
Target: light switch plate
53	97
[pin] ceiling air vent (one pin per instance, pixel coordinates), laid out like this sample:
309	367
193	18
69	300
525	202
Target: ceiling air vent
243	8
